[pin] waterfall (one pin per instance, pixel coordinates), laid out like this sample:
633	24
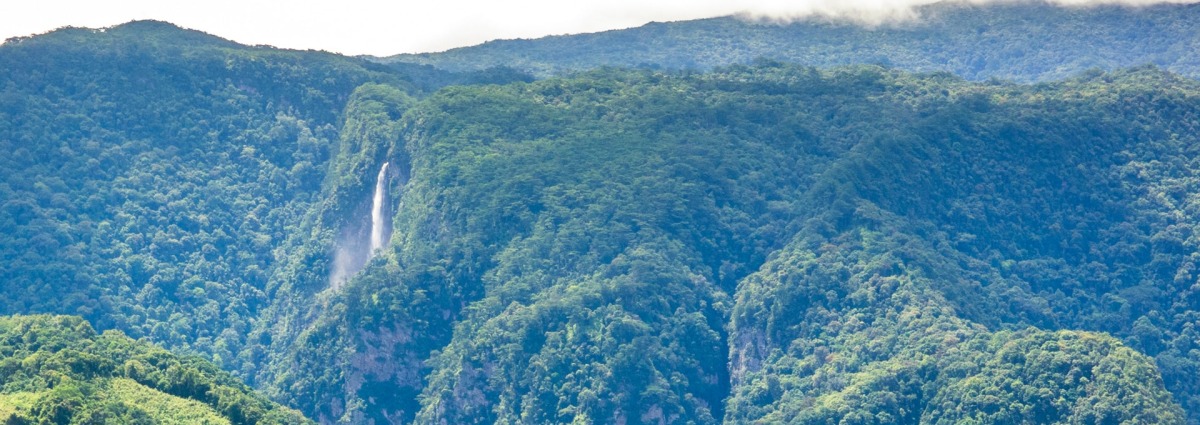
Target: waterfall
358	243
379	214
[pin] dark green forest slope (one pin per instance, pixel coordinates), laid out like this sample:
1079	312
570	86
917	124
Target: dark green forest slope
150	171
752	244
151	174
774	244
154	175
1027	40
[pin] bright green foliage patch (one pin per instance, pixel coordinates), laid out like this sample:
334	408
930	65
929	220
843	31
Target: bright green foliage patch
161	407
11	404
56	369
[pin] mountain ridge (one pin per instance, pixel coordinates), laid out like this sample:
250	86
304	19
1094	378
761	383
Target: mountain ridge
975	41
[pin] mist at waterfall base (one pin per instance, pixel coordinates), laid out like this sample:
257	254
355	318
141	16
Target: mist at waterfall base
358	243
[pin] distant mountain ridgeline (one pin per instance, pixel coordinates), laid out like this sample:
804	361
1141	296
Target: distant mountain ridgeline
1022	41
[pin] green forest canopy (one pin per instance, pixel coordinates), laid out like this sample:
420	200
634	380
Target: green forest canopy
755	243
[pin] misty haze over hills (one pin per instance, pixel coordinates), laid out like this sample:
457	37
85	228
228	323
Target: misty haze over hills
987	216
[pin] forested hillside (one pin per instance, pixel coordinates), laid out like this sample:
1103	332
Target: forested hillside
152	173
155	176
757	243
777	243
1026	40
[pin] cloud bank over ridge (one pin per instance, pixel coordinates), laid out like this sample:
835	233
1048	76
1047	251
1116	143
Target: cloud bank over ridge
880	11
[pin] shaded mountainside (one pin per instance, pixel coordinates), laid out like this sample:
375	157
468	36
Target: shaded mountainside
766	243
1022	41
773	243
56	369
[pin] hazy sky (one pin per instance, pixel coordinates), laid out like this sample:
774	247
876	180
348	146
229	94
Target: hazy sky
389	27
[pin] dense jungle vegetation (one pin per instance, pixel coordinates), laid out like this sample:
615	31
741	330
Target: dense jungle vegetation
761	243
857	245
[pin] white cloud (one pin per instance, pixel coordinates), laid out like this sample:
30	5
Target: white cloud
389	27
